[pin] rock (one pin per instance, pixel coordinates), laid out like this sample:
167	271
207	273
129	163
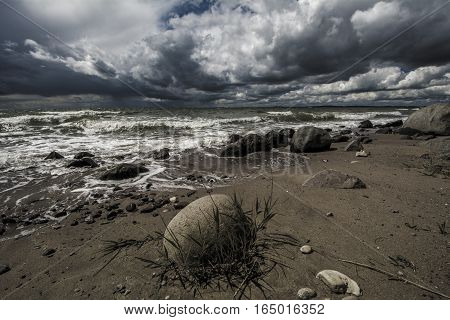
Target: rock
346	131
310	139
306	294
149	208
366	124
197	224
354	145
89	219
434	119
250	143
406	131
334	179
362	154
306	249
277	139
384	131
54	156
2	229
162	154
173	199
392	124
339	282
4	268
350	298
84	162
340	138
131	207
180	205
289	132
329	214
232	138
49	252
111	215
83	154
423	137
438	145
123	171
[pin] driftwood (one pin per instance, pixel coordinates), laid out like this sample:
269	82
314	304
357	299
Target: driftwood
396	277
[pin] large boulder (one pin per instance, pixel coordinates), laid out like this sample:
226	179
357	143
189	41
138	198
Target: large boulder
278	139
334	179
433	119
250	143
438	145
310	139
84	162
207	230
392	124
123	171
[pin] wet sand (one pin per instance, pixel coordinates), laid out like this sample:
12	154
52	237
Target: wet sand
397	215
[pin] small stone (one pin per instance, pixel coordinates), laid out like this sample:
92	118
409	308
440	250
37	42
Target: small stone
306	249
167	298
131	207
306	294
180	205
4	268
173	199
330	214
74	223
401	274
89	219
111	215
49	252
362	154
396	211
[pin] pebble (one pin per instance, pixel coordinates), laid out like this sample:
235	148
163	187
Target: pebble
89	219
173	199
339	282
306	294
4	268
111	215
362	154
330	214
401	274
49	252
131	207
167	298
306	249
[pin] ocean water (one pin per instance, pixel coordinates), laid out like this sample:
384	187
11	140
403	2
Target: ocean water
129	134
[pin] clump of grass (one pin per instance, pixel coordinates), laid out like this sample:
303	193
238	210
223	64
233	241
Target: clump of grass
240	263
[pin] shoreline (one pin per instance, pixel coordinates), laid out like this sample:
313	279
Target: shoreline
397	215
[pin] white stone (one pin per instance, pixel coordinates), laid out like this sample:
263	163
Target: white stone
306	249
306	294
339	282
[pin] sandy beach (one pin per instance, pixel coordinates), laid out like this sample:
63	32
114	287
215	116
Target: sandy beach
392	225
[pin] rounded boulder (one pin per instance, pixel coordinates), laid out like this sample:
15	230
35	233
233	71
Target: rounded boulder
310	139
205	231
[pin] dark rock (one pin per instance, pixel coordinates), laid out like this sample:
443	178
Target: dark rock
60	214
4	268
346	131
289	132
406	131
334	179
131	207
310	139
83	154
2	229
366	124
180	205
10	220
434	119
74	223
162	154
340	138
384	131
111	215
123	171
277	139
251	143
392	124
232	138
49	252
54	156
354	145
84	162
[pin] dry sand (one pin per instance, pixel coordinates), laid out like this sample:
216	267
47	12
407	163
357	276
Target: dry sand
397	215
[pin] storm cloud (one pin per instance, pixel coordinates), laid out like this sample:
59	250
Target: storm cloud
283	52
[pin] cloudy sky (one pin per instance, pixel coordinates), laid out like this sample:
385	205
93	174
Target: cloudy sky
220	52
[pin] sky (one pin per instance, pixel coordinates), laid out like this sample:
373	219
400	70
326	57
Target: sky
225	52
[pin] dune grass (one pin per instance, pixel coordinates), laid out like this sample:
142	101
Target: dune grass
237	264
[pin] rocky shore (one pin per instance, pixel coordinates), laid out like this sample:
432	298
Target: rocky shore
375	195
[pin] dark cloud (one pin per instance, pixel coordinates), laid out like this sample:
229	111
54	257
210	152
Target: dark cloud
213	51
